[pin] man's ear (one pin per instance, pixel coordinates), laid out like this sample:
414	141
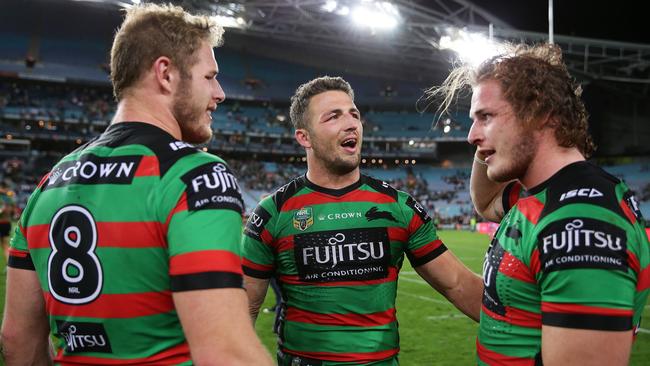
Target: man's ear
303	138
164	73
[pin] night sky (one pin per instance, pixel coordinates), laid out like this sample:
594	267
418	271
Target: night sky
610	20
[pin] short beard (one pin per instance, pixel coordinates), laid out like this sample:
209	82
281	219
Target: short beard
522	155
186	116
334	164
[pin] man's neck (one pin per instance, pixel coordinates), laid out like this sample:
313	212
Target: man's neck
148	110
322	177
547	161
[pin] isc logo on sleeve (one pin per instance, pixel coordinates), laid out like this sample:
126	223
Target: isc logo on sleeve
582	192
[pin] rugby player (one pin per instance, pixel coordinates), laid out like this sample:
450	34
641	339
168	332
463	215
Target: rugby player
113	256
566	276
336	240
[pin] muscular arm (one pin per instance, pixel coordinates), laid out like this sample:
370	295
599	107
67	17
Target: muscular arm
256	289
25	327
568	346
455	281
486	194
218	328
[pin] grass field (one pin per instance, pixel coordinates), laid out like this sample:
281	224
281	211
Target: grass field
432	331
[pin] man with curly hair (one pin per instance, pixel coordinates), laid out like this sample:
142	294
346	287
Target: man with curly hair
567	274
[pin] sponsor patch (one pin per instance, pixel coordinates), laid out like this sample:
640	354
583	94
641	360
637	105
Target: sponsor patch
633	204
582	243
303	218
84	337
351	215
419	210
256	223
342	255
375	214
91	169
212	186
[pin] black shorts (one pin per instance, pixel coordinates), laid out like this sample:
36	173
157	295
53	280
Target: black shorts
5	229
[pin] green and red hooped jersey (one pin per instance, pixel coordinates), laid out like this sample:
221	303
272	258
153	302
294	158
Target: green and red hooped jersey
337	254
114	229
571	252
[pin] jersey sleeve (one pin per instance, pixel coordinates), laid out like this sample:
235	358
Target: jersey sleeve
19	255
423	242
259	258
585	272
204	224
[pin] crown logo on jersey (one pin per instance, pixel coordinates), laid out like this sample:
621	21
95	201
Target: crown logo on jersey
303	218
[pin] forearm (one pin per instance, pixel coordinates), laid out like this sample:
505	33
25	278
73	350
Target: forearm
24	349
256	292
467	296
485	193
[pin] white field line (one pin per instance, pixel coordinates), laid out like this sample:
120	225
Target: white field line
642	330
424	298
446	316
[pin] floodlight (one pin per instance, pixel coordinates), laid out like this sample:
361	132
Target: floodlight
229	21
329	6
376	15
472	48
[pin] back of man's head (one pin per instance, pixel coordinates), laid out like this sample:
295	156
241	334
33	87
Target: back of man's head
300	100
150	31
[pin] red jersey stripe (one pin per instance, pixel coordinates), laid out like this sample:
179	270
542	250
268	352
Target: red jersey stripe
644	279
414	224
352	320
148	166
205	261
531	208
171	356
627	211
515	192
294	280
398	234
266	236
494	358
517	317
633	261
362	358
13	252
315	198
257	266
427	248
284	244
134	305
109	234
535	266
181	205
554	307
512	267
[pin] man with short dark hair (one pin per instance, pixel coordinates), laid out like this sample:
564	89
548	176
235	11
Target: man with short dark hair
128	251
567	275
336	240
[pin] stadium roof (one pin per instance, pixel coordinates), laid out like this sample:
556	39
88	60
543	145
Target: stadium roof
326	31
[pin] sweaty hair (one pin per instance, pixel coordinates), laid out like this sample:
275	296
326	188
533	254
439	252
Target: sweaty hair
150	31
536	83
300	100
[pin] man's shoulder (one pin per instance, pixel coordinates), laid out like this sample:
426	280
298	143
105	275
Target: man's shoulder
284	193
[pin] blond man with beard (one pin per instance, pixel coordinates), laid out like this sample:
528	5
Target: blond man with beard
567	274
128	250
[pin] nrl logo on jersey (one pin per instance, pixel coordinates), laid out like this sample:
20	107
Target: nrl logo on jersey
303	218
